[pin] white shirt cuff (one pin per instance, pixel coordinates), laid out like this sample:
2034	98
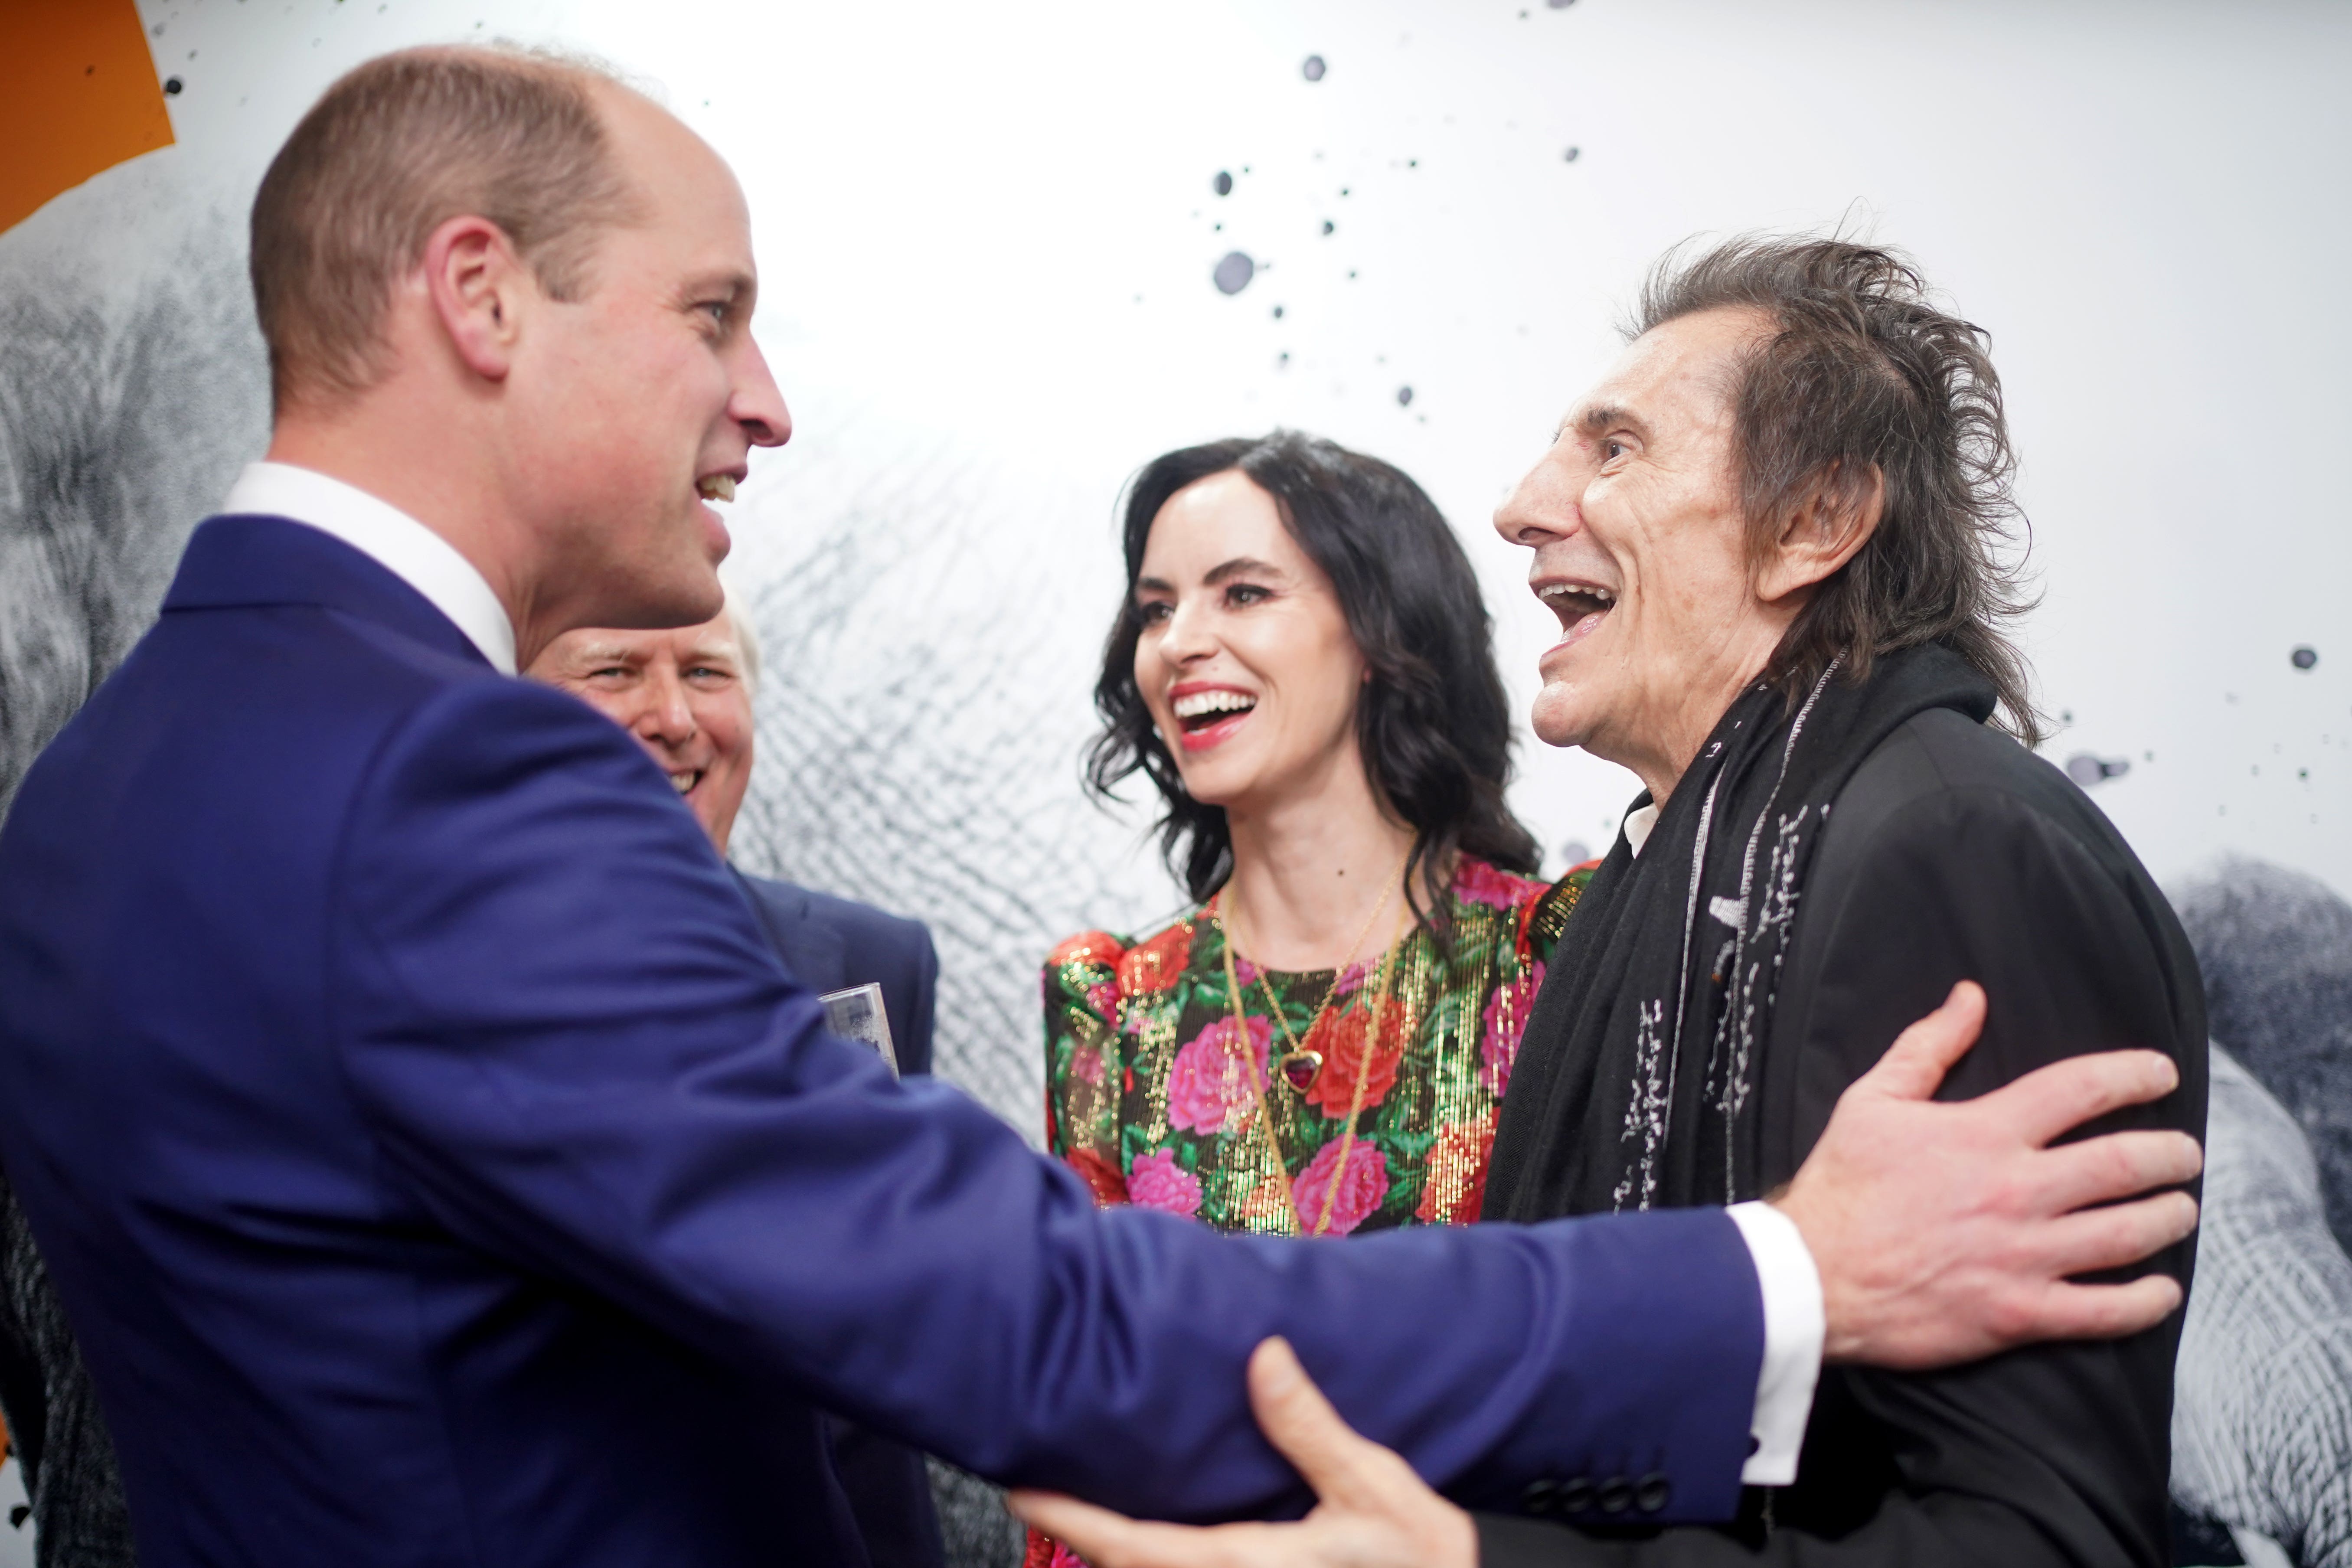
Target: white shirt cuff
1793	1331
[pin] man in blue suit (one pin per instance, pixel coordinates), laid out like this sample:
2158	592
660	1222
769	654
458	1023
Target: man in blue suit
685	694
439	1165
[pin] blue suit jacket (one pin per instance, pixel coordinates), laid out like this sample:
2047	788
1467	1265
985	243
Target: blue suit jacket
440	1168
829	943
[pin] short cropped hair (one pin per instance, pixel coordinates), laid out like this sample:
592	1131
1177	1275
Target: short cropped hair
1863	375
396	148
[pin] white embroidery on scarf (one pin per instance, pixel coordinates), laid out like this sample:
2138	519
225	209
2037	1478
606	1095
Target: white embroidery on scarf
1733	1046
1647	1112
1780	909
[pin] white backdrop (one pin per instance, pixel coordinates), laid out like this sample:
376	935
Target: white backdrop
988	235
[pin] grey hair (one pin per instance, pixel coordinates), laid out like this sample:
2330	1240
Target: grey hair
747	635
1866	380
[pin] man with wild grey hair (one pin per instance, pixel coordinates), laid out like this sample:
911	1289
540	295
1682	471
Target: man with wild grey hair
438	1163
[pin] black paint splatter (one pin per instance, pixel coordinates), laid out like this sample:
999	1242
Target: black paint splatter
1572	153
1234	273
1559	4
171	87
2087	770
1404	397
1328	226
2304	658
1223	185
1278	312
1313	70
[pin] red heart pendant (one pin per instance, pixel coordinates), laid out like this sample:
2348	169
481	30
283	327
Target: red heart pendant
1300	1068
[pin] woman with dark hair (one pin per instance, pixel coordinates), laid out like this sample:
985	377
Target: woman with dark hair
1303	668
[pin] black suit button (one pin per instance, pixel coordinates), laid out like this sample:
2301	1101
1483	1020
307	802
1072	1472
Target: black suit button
1651	1493
1575	1496
1614	1495
1541	1498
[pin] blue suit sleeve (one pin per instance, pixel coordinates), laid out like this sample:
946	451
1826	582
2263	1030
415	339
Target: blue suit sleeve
579	1053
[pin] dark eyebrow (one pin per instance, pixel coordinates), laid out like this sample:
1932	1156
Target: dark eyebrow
1240	566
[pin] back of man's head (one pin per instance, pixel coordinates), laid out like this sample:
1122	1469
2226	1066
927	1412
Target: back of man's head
398	146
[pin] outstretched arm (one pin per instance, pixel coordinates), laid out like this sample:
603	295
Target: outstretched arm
578	1055
1918	1269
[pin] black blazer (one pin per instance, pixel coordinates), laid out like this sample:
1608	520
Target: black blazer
1953	853
828	943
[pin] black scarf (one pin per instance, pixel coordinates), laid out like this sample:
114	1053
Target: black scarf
1635	1086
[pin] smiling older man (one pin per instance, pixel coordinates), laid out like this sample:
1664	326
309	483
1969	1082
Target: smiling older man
1772	536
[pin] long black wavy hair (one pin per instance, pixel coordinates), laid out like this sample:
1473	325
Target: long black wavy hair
1432	722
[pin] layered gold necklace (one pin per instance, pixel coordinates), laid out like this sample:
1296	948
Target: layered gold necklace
1299	1066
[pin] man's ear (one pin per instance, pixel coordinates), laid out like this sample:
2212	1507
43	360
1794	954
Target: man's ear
1837	518
480	290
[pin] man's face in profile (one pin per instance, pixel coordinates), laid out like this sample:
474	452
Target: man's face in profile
647	393
1640	548
681	693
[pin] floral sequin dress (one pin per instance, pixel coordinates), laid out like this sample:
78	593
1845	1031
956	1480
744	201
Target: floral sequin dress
1153	1088
1152	1093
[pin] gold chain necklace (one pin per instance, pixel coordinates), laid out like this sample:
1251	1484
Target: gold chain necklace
1363	1064
1299	1066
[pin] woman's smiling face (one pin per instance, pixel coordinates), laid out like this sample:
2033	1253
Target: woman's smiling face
1244	658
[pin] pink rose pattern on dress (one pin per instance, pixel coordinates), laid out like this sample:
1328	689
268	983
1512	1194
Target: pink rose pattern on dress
1157	1182
1209	1088
1475	882
1169	1098
1362	1187
1507	1025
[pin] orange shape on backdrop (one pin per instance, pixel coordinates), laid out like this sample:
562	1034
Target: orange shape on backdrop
78	96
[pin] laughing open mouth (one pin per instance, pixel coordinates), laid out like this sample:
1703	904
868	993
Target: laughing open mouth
684	781
1576	604
716	487
1198	710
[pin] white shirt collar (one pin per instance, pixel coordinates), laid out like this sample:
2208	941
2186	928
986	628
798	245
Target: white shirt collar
1637	827
388	536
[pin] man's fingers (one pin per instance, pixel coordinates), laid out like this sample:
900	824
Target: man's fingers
2102	1311
2051	1100
2118	1165
1921	1055
1300	1422
1105	1539
2115	1238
